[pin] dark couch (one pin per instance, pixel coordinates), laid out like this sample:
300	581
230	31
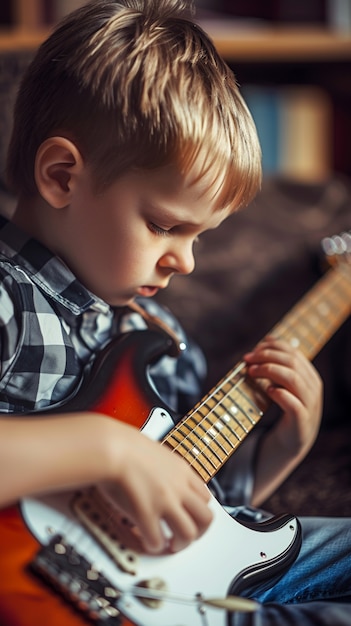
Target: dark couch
249	273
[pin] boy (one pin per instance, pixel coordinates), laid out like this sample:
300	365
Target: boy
130	139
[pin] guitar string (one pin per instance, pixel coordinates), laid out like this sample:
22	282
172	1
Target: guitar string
212	411
83	534
228	379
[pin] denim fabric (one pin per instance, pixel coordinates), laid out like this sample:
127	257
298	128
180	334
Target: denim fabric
317	588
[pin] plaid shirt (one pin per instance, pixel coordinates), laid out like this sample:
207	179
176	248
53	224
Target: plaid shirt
52	327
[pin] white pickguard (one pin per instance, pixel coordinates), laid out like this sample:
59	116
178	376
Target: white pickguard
207	567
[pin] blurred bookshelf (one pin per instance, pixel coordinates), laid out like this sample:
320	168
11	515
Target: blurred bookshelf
294	124
292	59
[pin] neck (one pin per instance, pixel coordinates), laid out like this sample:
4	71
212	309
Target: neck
30	215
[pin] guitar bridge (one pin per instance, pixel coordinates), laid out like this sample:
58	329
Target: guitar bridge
113	531
68	572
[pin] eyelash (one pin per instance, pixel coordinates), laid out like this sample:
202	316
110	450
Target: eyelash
157	230
162	232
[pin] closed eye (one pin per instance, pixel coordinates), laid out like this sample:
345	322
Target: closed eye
158	230
163	232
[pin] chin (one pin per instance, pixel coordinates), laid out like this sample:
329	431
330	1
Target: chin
119	301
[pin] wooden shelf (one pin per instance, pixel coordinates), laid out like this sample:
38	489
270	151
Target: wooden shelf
278	44
258	51
21	39
235	43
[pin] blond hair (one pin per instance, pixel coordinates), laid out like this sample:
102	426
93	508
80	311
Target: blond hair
136	84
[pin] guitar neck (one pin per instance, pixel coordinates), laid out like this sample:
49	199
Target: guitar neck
316	317
208	435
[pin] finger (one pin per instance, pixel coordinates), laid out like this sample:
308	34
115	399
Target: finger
280	376
200	513
153	537
188	523
200	487
146	515
184	531
186	520
281	351
276	353
292	359
289	403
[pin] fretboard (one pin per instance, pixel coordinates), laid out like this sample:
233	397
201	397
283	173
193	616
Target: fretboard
219	423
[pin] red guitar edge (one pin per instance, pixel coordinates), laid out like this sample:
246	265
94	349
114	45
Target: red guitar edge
117	382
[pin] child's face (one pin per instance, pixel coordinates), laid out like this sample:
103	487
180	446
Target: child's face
133	237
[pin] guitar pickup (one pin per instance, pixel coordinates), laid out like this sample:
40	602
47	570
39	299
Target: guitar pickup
68	572
113	532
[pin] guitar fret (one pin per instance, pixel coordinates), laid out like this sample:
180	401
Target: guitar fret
206	472
244	407
344	271
253	407
196	443
214	450
197	462
224	419
233	423
250	409
236	419
229	424
340	290
212	442
217	438
314	320
307	333
319	305
215	408
179	441
214	438
207	426
200	450
296	339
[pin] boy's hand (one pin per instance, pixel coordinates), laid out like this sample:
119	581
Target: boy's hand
153	485
295	385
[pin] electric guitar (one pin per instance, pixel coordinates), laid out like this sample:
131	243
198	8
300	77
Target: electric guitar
71	558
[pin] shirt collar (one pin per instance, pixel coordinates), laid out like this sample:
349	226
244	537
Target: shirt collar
46	270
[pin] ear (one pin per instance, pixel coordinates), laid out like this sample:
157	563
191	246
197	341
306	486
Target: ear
58	164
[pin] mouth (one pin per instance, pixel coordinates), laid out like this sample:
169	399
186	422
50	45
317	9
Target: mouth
147	291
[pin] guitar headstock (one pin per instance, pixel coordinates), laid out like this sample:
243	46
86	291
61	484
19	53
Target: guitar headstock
337	248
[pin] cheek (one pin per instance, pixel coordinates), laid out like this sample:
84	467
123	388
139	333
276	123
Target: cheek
121	260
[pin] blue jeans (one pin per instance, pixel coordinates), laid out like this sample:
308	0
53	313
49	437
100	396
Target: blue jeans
317	587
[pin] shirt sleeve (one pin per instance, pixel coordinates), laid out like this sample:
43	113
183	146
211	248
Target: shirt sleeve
9	327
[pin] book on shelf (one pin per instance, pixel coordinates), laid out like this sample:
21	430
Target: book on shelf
263	103
339	15
294	125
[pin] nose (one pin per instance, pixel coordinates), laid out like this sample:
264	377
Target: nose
180	259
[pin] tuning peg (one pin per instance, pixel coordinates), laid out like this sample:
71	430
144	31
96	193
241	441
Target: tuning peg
337	245
346	237
329	247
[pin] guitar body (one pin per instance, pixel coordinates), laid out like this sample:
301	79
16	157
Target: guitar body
71	559
229	558
113	389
